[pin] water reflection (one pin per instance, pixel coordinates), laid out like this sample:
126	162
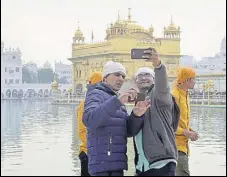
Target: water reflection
43	138
38	138
210	150
208	154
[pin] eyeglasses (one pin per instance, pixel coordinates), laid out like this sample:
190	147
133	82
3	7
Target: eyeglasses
141	76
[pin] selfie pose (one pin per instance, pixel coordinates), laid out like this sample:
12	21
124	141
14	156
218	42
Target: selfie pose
155	148
108	123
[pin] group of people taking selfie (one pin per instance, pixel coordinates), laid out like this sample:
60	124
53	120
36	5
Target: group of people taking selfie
159	122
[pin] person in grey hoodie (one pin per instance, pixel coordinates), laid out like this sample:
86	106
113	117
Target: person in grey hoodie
155	148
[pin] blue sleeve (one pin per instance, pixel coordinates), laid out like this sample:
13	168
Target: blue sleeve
97	111
134	125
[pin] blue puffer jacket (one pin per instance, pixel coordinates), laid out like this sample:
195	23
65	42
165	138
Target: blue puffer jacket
108	126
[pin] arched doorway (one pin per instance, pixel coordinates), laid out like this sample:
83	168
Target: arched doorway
40	93
8	93
31	93
14	93
46	93
20	93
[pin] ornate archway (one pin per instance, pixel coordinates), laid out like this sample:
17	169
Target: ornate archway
14	93
40	93
20	93
8	93
46	93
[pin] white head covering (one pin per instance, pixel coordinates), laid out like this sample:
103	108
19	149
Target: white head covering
144	70
113	67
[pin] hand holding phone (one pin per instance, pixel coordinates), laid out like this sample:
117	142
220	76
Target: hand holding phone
153	57
149	54
139	97
141	107
141	53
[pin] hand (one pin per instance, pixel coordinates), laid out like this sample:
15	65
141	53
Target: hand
124	97
191	134
141	107
153	57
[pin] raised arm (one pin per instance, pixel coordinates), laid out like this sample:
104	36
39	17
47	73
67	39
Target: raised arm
162	88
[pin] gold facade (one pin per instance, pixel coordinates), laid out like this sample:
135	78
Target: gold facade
121	37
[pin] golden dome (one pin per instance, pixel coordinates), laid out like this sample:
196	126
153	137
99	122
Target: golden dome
54	84
171	27
134	26
129	24
78	33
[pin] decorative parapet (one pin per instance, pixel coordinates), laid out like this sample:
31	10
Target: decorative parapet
153	42
92	45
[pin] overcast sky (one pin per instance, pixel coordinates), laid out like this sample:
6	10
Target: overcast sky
43	29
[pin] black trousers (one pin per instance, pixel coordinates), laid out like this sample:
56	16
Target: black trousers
84	164
168	170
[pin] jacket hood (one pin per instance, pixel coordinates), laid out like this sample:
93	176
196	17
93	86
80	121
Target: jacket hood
105	88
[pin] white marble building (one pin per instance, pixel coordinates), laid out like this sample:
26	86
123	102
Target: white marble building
47	65
223	46
209	68
63	70
32	67
213	65
208	65
187	60
25	90
11	66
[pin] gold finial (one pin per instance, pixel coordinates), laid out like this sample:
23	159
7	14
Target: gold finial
118	15
92	36
78	25
171	20
54	76
129	14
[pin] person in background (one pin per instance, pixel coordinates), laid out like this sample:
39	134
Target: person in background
95	78
154	144
185	81
108	123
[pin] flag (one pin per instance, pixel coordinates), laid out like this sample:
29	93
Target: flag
92	36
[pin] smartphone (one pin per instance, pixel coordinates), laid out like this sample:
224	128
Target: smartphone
140	53
140	97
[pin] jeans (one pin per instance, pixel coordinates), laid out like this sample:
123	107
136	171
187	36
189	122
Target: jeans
168	170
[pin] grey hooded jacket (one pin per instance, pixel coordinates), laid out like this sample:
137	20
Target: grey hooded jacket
161	121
